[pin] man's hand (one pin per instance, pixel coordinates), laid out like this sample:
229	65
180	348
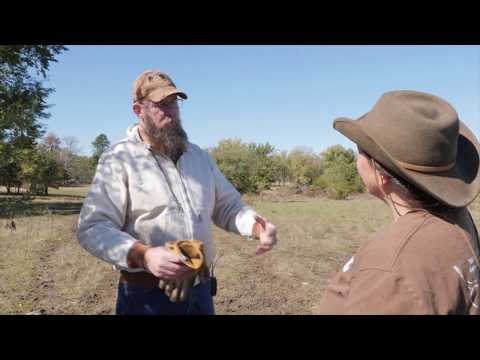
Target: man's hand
165	264
266	232
191	254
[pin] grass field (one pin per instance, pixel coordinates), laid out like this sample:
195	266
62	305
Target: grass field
44	270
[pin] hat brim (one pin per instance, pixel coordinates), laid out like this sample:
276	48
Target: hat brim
160	94
456	187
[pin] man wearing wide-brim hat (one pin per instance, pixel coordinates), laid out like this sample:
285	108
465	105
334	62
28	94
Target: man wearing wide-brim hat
423	162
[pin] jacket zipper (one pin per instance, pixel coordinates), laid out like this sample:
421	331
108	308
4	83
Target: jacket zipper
186	208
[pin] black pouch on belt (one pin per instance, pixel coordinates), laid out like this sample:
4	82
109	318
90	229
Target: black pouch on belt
213	279
213	286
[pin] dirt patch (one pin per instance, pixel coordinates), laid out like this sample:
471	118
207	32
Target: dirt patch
70	281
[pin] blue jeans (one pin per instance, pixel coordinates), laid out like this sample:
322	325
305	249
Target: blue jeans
135	300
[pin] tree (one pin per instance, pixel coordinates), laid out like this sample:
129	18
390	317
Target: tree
82	169
40	169
231	156
67	157
282	171
100	144
263	169
71	145
22	103
249	167
52	142
304	165
9	168
340	174
22	96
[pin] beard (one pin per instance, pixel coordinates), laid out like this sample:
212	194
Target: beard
171	140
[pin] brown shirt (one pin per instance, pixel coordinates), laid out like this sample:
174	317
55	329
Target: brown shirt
420	264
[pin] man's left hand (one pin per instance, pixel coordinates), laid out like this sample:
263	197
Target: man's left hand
266	232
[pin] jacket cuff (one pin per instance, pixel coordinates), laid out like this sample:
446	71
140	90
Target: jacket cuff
245	220
136	255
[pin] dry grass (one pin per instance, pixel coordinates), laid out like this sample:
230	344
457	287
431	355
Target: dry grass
44	269
316	237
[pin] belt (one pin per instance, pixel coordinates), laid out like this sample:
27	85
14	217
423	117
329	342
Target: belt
142	278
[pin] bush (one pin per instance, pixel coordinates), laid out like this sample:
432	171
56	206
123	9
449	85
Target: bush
304	166
249	167
340	172
319	183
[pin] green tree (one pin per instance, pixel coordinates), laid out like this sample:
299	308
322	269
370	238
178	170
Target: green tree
304	165
9	167
263	167
250	168
231	156
100	144
22	103
22	95
82	170
340	176
40	169
282	170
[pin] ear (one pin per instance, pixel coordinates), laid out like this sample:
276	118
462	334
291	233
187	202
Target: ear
137	108
385	182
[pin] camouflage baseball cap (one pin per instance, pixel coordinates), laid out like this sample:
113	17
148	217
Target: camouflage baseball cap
155	86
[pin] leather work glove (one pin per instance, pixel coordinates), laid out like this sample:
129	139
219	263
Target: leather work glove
192	255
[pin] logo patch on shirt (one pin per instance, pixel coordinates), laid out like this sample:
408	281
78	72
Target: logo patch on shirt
470	277
347	266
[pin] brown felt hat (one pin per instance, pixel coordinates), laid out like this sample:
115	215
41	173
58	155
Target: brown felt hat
419	137
155	86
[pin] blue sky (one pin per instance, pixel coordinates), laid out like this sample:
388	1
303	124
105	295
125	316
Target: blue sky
285	95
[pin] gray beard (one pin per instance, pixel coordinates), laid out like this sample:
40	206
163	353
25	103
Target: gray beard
171	140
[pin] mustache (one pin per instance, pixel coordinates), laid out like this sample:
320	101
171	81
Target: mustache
174	130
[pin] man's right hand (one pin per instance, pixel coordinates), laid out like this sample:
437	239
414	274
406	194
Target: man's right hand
164	264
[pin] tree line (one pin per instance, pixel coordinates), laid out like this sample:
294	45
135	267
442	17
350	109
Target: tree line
53	162
31	160
252	168
28	159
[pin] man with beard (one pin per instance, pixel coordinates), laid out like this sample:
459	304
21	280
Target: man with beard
155	187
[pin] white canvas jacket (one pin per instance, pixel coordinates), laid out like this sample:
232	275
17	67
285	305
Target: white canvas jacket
139	195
